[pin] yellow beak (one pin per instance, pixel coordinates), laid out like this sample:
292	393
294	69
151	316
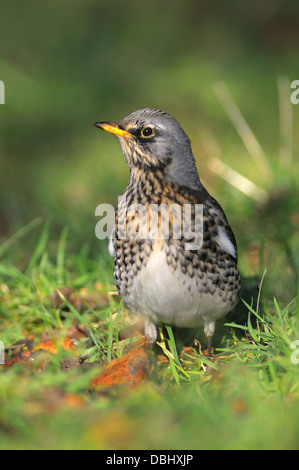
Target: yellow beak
112	128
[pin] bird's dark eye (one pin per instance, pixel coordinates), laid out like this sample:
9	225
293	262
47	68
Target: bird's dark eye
147	132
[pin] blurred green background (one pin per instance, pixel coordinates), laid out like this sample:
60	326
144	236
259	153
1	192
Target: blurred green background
67	64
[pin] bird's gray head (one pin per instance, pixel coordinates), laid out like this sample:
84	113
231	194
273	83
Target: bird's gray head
152	139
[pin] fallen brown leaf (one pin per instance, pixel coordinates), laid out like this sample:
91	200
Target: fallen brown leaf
39	355
132	368
77	331
56	298
52	346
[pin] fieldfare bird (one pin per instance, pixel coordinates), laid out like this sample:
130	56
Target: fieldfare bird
175	255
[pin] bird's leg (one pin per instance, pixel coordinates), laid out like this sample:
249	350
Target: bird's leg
209	328
150	332
210	346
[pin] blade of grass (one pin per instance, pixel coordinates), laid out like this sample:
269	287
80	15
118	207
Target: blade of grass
82	320
19	234
250	141
237	180
259	292
40	246
174	363
251	330
61	256
252	310
280	317
172	344
14	273
43	312
110	337
208	362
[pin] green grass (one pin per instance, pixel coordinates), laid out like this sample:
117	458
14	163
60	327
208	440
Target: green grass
224	73
246	397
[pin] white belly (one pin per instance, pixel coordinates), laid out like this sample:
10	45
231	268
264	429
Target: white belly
168	296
